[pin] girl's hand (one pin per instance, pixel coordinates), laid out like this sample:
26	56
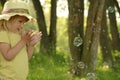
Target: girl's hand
26	37
35	38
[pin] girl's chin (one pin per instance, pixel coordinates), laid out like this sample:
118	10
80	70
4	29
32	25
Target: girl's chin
17	32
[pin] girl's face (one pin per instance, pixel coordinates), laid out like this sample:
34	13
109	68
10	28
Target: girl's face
16	24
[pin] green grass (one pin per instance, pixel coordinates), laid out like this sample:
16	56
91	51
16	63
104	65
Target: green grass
48	68
108	74
56	67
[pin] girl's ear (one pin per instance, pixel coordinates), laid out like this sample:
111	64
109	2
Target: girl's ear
3	25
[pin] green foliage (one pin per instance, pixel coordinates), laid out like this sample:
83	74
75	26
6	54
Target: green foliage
0	8
62	35
108	74
118	26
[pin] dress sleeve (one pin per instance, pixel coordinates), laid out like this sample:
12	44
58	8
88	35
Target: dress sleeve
4	37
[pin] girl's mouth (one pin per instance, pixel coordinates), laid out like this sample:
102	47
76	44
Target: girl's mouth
18	29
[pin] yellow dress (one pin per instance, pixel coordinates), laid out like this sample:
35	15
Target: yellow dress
16	69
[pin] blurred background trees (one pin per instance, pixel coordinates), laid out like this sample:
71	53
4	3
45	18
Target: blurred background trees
2	2
48	42
91	35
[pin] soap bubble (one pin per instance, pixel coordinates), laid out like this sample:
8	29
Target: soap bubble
91	76
81	65
111	9
77	41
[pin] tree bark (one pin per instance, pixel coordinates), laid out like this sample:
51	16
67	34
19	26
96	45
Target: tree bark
53	22
105	42
91	40
3	2
113	26
117	6
75	32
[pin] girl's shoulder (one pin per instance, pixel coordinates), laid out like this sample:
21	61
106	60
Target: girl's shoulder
4	36
3	33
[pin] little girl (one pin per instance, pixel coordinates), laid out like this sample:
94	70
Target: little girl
16	47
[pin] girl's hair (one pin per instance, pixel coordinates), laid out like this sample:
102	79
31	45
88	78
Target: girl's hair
3	25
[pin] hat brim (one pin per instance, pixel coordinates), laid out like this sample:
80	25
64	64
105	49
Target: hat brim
9	15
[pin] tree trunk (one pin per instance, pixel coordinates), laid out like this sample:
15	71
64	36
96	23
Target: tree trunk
53	23
48	41
105	42
117	6
2	2
113	26
42	26
75	32
91	40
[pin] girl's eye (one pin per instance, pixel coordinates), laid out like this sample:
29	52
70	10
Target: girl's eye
20	21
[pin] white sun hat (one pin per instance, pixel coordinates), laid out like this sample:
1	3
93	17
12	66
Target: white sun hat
15	7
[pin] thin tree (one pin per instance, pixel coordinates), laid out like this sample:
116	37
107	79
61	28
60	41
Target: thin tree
105	42
48	42
2	2
91	39
53	22
113	26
